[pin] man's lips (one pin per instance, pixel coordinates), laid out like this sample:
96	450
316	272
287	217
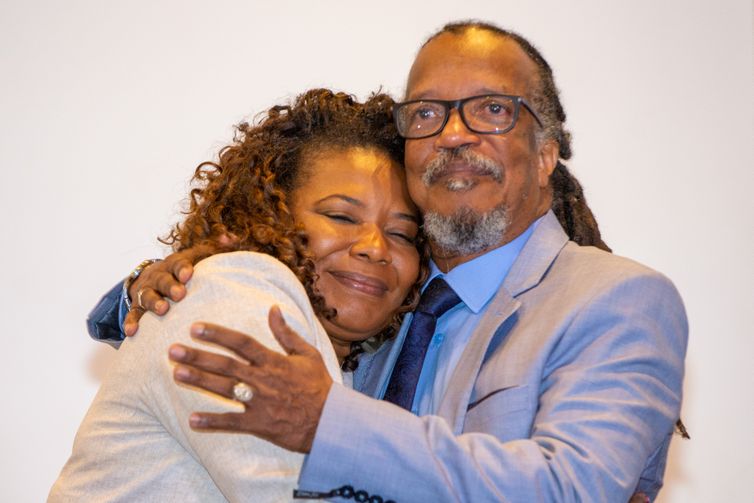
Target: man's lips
360	282
460	169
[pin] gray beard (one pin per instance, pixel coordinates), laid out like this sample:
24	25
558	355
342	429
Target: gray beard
466	232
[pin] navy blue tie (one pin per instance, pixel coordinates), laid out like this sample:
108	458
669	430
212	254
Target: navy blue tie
437	298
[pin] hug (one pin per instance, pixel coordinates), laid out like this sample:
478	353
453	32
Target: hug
390	301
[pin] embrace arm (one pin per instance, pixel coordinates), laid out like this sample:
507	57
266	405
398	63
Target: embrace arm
602	412
111	320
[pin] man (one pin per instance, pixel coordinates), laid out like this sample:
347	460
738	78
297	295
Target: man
558	375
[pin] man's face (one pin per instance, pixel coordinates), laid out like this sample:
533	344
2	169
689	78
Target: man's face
458	66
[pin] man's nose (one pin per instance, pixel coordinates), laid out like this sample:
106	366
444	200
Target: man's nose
455	133
372	245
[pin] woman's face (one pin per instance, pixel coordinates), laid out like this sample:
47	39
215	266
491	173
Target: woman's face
362	226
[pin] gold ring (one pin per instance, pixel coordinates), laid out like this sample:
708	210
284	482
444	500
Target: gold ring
138	299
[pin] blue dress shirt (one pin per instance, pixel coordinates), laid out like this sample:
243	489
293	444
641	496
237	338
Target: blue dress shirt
475	282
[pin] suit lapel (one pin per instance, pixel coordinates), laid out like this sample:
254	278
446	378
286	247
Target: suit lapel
537	256
456	398
527	271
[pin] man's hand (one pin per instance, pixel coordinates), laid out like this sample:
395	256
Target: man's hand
289	390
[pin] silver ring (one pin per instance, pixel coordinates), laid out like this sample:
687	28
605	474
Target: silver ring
242	392
138	299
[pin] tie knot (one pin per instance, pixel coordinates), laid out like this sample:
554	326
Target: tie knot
437	298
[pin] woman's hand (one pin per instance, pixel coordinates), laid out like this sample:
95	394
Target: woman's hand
166	279
289	390
161	280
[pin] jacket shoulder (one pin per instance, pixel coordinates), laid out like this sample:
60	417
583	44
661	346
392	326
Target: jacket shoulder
590	264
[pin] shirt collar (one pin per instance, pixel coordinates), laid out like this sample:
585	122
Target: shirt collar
477	280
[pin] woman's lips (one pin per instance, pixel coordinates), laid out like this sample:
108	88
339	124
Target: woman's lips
361	283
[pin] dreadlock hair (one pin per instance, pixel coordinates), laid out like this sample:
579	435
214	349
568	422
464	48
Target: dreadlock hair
246	193
568	201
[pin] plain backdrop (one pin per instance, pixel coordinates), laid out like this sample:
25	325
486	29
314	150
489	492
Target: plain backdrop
106	108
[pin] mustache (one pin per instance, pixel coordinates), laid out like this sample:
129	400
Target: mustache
437	167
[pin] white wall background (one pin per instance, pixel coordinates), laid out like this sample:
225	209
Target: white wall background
106	107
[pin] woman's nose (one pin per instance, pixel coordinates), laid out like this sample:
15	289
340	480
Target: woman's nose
372	245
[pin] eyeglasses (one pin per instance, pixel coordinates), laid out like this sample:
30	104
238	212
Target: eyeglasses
485	114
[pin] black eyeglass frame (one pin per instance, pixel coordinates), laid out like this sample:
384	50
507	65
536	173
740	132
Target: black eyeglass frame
458	105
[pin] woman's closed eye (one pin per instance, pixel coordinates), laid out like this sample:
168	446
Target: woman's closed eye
404	234
341	217
409	238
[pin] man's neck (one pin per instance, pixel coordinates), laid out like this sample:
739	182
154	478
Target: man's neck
446	261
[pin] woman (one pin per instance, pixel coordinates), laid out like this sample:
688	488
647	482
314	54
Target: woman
317	204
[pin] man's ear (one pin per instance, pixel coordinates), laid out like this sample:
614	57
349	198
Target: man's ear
547	160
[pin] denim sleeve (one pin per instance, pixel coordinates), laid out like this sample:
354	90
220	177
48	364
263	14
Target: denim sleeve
106	319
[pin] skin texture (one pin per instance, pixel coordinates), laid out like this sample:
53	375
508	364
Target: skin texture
479	62
449	67
361	227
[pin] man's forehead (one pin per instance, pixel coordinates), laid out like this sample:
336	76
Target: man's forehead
483	61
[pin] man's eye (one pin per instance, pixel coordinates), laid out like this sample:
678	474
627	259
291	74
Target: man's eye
425	113
495	108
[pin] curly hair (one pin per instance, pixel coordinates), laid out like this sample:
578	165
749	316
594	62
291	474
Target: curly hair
246	193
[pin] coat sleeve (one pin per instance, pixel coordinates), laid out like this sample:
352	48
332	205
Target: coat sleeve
104	321
607	402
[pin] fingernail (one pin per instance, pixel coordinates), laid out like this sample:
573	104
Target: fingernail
177	352
182	372
196	421
175	292
277	312
161	306
184	274
197	329
129	328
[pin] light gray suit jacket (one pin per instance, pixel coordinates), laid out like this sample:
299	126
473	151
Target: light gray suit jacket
567	391
135	443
